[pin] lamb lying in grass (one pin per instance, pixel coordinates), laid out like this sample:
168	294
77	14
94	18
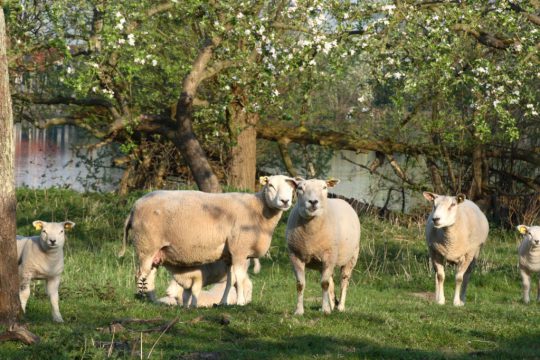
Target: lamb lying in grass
42	257
188	282
455	230
529	258
188	228
321	234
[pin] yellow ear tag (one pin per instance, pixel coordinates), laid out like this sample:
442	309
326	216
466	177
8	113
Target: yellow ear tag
522	229
263	180
38	226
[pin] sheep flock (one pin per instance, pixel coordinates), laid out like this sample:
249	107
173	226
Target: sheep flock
207	242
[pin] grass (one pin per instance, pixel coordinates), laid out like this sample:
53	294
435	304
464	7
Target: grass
390	310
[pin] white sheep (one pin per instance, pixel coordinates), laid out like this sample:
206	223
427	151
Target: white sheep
529	258
455	230
42	257
186	228
321	234
188	282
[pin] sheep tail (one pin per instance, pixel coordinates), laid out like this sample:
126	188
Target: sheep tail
127	226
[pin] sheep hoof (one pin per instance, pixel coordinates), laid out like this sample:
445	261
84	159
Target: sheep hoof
340	308
299	312
459	303
58	319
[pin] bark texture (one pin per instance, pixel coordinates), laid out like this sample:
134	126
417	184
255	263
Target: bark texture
9	281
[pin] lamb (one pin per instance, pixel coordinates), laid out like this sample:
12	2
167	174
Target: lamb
321	234
456	230
42	257
207	298
529	258
187	228
188	282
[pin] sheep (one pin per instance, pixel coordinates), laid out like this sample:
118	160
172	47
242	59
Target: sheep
322	233
529	258
186	228
188	282
456	230
42	257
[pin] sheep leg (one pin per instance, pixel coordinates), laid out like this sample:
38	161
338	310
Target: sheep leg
248	289
146	280
186	297
462	268
196	288
327	271
538	291
299	272
346	272
52	289
228	284
256	265
332	293
24	293
240	274
466	278
526	281
439	278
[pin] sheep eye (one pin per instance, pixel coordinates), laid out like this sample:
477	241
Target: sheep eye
44	231
324	187
452	205
271	186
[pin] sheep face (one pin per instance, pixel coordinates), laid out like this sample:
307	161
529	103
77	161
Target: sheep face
445	208
278	191
52	234
530	234
312	195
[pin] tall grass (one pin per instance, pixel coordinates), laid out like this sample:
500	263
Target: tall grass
390	312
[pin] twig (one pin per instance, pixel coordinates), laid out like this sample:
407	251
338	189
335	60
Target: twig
169	325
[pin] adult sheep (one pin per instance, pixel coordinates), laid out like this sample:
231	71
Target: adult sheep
455	230
186	228
529	258
321	234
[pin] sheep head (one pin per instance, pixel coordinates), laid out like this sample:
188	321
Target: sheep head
312	196
53	233
278	191
445	208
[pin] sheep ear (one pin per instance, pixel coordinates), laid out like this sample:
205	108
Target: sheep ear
299	179
522	229
38	224
68	225
332	182
429	196
292	182
263	180
460	198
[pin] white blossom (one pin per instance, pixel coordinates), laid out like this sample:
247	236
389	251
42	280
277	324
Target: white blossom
154	62
131	39
240	15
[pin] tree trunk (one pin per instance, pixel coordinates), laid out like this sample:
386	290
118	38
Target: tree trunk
9	280
186	141
244	137
191	149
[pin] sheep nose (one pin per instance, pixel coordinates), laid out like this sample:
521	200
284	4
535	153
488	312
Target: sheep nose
436	220
285	202
52	241
313	202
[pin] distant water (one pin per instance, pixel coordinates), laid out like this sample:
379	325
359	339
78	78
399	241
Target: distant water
57	157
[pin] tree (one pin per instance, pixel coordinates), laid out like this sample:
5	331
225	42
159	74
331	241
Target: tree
9	279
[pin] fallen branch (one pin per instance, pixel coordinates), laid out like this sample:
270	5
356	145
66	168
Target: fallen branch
17	332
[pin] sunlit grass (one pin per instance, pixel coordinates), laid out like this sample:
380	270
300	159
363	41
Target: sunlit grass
390	312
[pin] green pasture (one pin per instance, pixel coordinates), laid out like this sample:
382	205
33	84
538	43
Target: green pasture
390	310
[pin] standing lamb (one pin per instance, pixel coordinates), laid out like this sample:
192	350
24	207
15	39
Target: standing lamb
42	257
529	258
188	282
322	233
455	230
186	228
